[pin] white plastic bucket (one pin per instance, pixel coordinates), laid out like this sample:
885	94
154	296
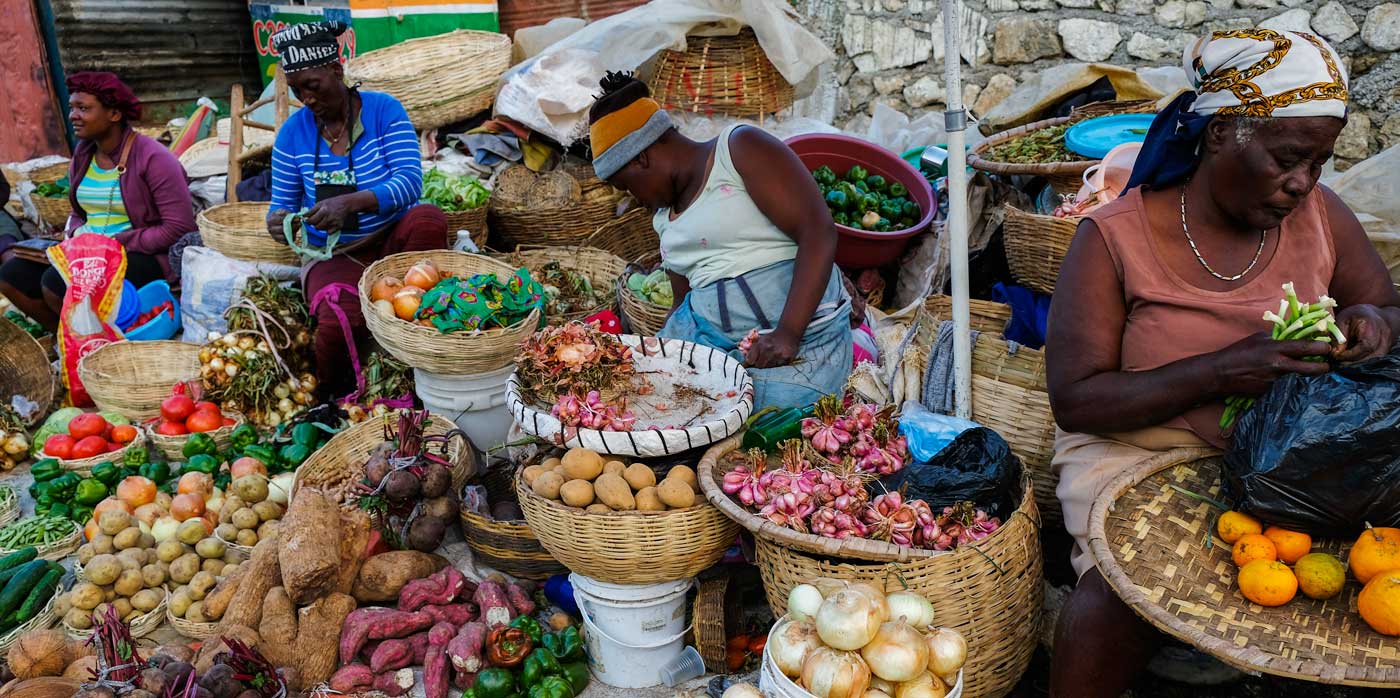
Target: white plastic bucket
476	404
631	630
775	684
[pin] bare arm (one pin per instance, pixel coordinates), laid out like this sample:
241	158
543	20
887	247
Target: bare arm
1370	305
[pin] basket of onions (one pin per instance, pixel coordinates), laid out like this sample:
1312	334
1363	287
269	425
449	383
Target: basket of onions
858	642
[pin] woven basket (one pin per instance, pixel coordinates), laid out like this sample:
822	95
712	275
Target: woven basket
508	546
54	212
600	267
629	547
990	592
984	316
456	353
25	369
239	231
194	631
629	236
729	75
9	505
560	224
173	447
709	617
1010	398
1156	546
1036	246
132	378
643	317
341	460
84	466
1094	110
472	220
38	175
58	549
439	79
43	620
1064	177
141	625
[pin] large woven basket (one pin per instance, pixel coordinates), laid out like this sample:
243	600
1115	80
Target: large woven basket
141	625
629	547
15	174
728	75
342	459
455	353
439	79
508	546
239	230
1155	545
630	236
132	378
984	316
1009	397
472	220
42	620
600	267
25	369
58	549
1064	177
990	592
571	223
1036	246
53	211
643	317
173	447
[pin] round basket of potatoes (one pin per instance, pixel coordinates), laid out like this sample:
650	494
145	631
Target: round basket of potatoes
194	572
586	480
248	515
121	570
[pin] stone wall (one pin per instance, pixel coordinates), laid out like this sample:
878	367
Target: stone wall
891	50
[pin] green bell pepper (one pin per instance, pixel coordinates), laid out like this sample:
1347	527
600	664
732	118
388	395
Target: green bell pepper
306	434
836	199
855	224
883	226
905	223
60	510
538	665
89	492
263	453
46	469
911	210
107	473
42	508
860	187
567	644
63	487
530	626
244	436
200	444
81	514
869	203
898	189
202	463
840	218
135	456
890	210
578	676
494	683
129	471
42	495
223	479
876	183
856	174
824	175
158	473
294	454
552	687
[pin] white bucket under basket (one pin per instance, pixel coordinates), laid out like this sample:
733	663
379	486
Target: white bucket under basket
477	403
631	630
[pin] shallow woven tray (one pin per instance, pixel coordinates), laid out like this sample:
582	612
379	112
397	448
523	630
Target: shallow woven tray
132	378
729	75
599	266
643	317
239	230
141	625
58	549
439	79
1149	541
9	505
173	446
1065	177
343	457
508	546
25	369
84	466
1036	246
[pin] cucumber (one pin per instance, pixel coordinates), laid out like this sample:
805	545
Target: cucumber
18	557
21	584
39	596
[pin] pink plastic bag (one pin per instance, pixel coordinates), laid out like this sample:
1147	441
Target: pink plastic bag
93	266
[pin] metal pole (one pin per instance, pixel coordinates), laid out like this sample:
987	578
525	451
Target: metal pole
956	121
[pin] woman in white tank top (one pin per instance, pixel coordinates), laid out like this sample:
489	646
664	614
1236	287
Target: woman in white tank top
745	237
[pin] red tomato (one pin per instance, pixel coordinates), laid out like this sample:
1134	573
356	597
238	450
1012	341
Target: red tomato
113	446
123	434
206	406
59	446
87	424
228	422
89	446
176	408
204	420
171	429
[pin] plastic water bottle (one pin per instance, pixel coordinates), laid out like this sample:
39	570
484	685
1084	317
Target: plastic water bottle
464	243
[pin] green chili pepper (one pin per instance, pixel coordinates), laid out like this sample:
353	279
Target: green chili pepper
243	436
158	473
567	644
578	676
856	174
898	189
89	492
46	469
494	683
200	444
552	687
202	463
530	626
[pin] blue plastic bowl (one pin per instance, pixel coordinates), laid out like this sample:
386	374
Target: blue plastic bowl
163	326
129	305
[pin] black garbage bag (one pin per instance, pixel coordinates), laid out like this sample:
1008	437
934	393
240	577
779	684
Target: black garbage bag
977	466
1322	454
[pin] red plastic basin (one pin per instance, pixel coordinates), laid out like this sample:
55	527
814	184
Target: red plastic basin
866	248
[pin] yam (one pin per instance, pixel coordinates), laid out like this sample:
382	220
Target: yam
318	635
278	628
82	668
648	500
676	494
354	536
598	508
639	477
614	492
262	572
582	464
577	493
614	467
383	576
686	475
309	553
547	485
39	653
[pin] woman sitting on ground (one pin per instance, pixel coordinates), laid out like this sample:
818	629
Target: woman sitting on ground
1157	311
350	161
121	184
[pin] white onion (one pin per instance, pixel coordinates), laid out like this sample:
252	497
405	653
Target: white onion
213	336
848	619
947	651
790	643
279	489
247	343
285	405
880	684
830	673
914	608
230	339
231	370
282	391
164	528
742	690
216	363
875	693
896	653
803	602
877	595
924	685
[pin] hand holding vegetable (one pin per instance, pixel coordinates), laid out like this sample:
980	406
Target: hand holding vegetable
776	348
1367	331
1251	365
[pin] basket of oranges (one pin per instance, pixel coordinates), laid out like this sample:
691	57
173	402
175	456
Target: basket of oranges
1258	597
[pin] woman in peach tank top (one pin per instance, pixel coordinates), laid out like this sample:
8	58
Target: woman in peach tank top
1157	313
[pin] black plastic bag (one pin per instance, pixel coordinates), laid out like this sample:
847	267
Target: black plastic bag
1322	454
977	466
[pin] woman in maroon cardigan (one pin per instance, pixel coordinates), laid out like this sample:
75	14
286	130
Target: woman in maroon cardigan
122	184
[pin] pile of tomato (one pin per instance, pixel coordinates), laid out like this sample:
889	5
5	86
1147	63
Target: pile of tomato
180	415
89	434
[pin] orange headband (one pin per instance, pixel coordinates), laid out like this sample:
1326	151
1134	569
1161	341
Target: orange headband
607	131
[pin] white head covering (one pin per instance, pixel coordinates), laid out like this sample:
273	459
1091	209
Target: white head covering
1264	73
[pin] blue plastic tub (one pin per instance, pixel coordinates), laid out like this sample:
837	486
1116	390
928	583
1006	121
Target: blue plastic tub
128	304
163	326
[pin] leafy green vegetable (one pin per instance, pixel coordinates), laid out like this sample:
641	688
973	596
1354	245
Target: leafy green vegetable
53	190
453	193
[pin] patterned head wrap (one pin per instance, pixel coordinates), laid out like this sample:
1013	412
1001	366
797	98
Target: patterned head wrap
309	45
109	90
1256	73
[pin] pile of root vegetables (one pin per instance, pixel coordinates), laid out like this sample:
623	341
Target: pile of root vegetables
407	487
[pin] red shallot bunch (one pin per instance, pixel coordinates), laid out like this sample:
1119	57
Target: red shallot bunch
964	523
891	518
828	431
592	412
863	431
840	525
842	488
748	341
746	481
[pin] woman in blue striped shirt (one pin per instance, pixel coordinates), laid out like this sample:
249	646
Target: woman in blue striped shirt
350	161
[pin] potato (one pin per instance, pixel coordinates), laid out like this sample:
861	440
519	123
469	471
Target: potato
230	569
114	521
577	493
582	464
102	544
179	601
676	493
85	553
247	538
268	510
195	613
153	576
127	538
185	568
109	594
210	548
231	505
686	475
78	619
85	596
129	583
226	531
103	569
268	529
639	477
550	463
170	550
647	500
200	585
250	488
614	492
531	472
123	606
147	600
191	531
62	604
147	540
132	558
548	485
598	508
246	518
614	467
214	567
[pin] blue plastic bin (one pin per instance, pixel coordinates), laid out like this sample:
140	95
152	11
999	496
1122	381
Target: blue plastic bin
164	326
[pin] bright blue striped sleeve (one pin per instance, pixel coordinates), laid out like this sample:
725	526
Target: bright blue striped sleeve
399	148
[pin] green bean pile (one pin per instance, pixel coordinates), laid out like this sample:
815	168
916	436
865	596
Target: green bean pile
38	531
1035	148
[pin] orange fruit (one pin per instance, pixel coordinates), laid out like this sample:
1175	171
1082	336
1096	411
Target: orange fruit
1320	576
1232	524
1376	551
1379	603
1268	583
1291	545
1252	546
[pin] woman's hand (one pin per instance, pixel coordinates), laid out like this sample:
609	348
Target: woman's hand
777	348
1368	333
329	216
1248	367
275	222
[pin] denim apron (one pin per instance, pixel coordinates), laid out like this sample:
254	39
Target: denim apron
721	314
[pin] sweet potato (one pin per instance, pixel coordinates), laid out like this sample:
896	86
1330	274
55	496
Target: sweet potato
465	648
262	572
352	678
442	587
367	624
458	614
395	653
493	603
310	550
383	576
394	683
354	534
216	602
419	642
437	672
520	600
